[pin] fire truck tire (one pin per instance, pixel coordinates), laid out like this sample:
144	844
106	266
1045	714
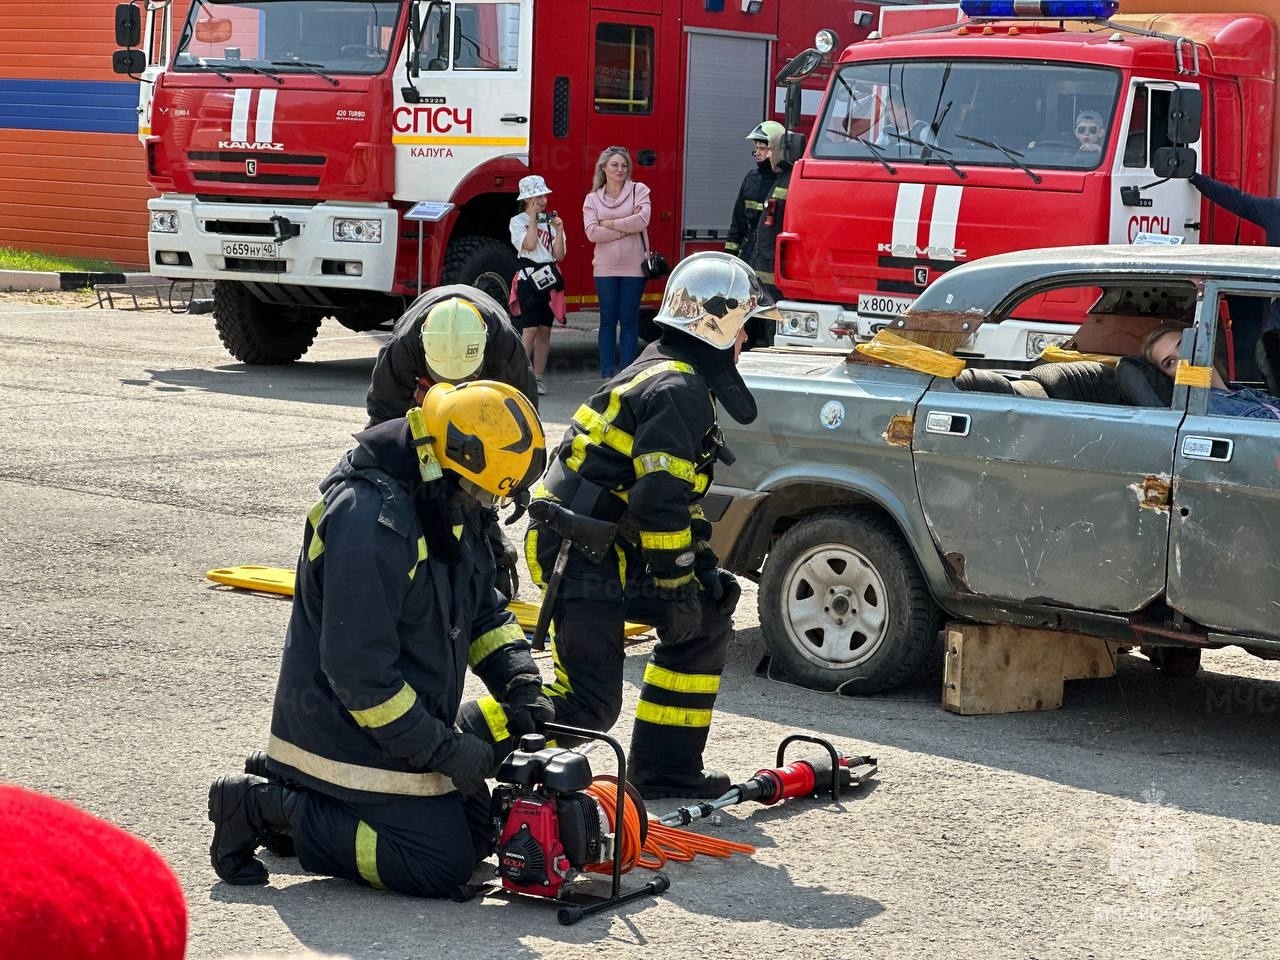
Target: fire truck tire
258	333
843	605
483	262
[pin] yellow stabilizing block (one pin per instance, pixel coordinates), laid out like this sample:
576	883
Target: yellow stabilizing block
279	580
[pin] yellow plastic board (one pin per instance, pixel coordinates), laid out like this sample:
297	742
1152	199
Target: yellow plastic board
280	581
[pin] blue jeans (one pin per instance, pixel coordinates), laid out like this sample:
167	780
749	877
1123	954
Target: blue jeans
1245	402
619	321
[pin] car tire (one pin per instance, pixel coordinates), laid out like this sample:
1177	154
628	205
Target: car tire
259	333
843	605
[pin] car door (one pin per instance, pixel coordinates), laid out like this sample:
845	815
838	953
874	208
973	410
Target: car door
1051	501
1226	506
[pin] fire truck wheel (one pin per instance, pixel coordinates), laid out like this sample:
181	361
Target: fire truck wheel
483	262
843	604
258	333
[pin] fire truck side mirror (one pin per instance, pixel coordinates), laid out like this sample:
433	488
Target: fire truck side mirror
130	63
799	67
1184	116
793	147
128	26
1174	163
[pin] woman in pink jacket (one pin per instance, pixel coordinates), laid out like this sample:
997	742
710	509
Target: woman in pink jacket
616	215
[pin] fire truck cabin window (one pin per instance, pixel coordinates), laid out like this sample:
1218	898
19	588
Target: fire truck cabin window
972	112
624	69
486	36
336	36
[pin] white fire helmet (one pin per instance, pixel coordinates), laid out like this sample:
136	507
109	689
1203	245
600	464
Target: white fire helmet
711	295
453	337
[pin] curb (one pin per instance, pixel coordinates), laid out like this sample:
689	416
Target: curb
31	281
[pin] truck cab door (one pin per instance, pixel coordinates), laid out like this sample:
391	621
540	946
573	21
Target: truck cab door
1139	203
472	90
1226	502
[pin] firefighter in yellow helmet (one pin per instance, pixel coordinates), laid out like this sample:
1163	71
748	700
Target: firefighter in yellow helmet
755	190
640	452
371	780
453	334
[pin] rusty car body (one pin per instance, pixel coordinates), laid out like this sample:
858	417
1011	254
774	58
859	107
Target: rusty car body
1090	495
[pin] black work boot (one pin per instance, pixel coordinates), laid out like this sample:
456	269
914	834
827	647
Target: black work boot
242	809
700	785
280	844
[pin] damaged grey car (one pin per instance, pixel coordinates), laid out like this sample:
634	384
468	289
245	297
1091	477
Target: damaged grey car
1094	489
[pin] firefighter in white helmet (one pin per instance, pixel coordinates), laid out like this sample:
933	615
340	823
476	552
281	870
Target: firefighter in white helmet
754	191
450	334
371	780
640	452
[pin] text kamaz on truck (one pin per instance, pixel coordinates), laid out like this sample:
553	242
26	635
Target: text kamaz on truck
942	146
288	139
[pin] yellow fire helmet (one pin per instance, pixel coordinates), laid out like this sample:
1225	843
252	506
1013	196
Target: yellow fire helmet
453	337
485	432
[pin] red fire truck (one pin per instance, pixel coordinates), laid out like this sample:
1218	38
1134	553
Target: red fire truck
300	146
1011	131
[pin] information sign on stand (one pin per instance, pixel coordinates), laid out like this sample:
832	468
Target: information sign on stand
426	211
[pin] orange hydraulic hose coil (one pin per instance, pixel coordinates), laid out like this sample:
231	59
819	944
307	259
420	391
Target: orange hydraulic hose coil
661	844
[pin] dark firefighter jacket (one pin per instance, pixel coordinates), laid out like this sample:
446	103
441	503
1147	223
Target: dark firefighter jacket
401	361
753	193
382	632
1264	211
769	226
649	438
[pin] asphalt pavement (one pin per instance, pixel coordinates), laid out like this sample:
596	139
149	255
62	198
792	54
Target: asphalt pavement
1135	822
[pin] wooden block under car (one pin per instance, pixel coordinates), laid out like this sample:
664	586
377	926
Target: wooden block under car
1008	669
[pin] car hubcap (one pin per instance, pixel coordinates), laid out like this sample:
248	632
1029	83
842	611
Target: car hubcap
836	606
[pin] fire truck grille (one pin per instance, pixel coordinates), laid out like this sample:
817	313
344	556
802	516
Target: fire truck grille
255	266
278	159
240	228
276	179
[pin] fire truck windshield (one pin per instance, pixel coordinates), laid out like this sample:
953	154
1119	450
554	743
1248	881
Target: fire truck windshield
280	36
1004	113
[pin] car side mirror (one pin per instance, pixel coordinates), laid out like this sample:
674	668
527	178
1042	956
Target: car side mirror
792	146
1174	163
128	25
1185	109
128	62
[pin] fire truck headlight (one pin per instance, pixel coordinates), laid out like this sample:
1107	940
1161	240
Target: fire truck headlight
357	231
1038	343
164	221
799	323
824	41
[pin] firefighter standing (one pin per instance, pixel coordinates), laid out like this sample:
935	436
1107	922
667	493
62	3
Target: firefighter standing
450	335
395	599
640	452
769	224
753	193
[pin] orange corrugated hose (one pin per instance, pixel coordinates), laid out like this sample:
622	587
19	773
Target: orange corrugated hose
661	844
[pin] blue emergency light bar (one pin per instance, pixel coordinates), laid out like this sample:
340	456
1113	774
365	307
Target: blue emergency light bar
1040	9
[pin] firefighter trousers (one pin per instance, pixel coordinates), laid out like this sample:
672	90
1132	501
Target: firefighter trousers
421	846
681	679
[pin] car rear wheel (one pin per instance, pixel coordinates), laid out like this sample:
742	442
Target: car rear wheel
842	604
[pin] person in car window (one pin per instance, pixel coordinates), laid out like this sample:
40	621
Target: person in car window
1161	349
1090	131
901	123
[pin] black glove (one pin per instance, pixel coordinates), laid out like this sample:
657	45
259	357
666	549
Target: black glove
684	612
527	707
521	500
464	759
722	587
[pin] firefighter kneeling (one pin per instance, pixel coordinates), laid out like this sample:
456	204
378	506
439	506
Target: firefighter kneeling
395	598
640	452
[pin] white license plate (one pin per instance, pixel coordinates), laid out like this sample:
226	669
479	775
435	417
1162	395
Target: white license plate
880	305
252	251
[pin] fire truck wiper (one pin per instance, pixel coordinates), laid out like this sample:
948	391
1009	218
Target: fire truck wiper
875	153
309	67
942	153
1013	155
205	65
273	74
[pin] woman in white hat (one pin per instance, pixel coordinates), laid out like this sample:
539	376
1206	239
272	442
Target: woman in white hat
538	237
